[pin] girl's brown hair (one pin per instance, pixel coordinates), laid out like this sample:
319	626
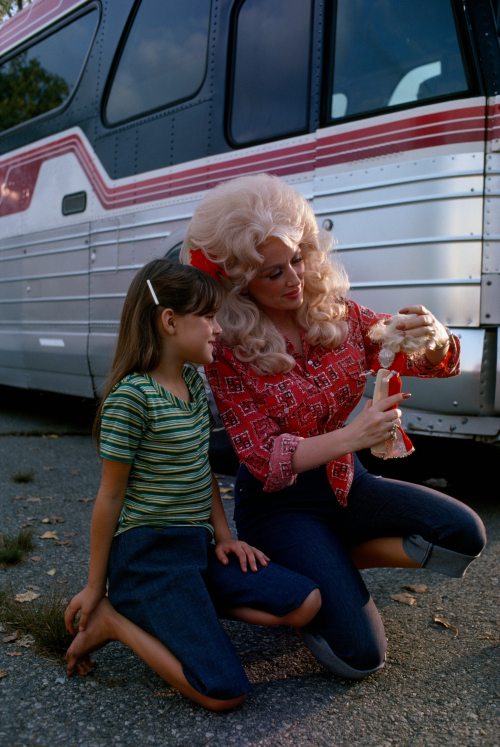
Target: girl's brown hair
182	288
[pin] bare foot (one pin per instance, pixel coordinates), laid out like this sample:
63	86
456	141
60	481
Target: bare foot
83	666
99	631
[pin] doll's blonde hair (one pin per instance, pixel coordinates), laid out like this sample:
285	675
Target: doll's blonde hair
229	225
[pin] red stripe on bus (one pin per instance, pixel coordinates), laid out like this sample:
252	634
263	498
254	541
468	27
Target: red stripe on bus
410	124
19	174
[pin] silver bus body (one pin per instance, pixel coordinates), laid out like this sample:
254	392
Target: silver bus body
410	191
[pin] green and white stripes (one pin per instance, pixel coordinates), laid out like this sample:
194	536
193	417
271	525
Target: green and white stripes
166	441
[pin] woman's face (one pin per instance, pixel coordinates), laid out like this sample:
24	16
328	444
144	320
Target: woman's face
278	286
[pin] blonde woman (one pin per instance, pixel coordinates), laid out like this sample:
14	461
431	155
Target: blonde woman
288	370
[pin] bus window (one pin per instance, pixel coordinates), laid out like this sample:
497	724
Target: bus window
164	58
43	75
270	84
393	52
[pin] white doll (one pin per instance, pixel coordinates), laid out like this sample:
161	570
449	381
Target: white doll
387	381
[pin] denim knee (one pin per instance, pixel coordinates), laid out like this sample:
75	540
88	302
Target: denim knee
353	652
360	665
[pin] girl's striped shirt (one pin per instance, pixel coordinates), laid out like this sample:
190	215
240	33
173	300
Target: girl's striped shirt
165	439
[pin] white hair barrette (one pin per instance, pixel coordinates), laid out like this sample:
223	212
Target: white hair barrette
155	297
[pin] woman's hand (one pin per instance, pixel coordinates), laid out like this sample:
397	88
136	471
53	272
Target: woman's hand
422	323
247	555
376	422
81	607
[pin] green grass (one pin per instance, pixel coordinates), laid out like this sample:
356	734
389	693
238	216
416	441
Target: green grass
43	619
13	549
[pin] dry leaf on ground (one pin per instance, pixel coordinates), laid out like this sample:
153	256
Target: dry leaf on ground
404	599
440	620
27	596
26	641
49	536
11	637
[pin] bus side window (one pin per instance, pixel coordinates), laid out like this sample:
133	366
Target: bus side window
163	60
393	52
269	84
43	75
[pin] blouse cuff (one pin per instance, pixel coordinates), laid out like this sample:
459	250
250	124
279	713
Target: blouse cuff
449	366
281	474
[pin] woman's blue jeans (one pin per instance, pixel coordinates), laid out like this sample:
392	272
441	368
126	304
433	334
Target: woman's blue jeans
305	529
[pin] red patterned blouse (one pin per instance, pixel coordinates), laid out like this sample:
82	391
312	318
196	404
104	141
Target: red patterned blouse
266	416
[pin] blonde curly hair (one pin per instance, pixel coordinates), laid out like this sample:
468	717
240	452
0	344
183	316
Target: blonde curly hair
229	225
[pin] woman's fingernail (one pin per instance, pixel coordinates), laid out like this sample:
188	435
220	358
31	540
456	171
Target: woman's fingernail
406	395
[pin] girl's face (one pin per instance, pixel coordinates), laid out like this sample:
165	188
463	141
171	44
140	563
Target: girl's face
278	287
195	337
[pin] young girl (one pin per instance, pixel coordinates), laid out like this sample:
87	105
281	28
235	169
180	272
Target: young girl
158	507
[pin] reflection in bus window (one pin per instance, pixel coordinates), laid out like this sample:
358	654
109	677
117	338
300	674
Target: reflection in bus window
43	76
270	88
392	52
409	86
164	58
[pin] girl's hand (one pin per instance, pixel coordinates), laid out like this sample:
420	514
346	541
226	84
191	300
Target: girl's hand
248	555
422	323
81	607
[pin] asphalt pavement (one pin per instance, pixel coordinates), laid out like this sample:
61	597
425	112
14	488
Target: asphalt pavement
439	687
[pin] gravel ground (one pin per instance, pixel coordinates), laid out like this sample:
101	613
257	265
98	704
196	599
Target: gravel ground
439	687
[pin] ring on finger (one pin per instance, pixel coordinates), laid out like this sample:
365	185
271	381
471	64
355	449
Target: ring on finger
393	431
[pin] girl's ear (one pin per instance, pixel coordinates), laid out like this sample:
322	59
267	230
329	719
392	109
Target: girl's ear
167	319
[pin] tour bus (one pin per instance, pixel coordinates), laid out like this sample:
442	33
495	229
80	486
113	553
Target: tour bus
116	117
